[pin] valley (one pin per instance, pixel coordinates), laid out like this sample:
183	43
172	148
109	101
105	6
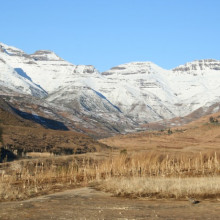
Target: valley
118	181
137	132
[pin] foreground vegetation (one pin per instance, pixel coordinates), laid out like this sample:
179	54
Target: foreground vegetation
149	175
162	187
155	164
163	175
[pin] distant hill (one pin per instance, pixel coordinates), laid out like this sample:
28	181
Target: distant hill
21	136
200	135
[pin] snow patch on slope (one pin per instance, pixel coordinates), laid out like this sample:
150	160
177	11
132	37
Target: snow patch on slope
14	81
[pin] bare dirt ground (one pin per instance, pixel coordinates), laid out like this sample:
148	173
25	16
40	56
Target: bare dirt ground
87	203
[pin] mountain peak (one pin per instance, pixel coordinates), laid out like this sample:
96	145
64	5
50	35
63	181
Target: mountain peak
45	55
11	51
134	68
199	65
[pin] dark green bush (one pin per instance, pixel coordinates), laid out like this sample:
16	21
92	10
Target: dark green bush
213	120
170	131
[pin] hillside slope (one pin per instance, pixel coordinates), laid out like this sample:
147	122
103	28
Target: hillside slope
22	136
116	101
197	136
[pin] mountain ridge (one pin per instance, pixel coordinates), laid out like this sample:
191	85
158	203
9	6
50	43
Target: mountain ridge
127	95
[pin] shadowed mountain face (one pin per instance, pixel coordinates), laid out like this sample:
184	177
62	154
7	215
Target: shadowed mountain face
22	133
56	117
45	122
12	115
22	73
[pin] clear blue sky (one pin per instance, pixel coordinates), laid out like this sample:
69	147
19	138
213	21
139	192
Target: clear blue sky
106	33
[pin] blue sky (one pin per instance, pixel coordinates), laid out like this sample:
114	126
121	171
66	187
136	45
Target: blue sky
106	33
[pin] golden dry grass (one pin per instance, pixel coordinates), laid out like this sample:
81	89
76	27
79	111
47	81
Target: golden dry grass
23	179
153	164
160	187
161	175
157	160
162	164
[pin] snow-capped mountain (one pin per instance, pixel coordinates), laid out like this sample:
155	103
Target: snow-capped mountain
143	91
198	84
67	90
149	93
126	95
17	80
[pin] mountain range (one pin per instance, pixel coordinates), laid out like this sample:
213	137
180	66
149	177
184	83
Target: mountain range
123	99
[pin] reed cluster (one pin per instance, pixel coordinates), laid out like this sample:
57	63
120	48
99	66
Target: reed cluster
26	179
125	174
162	164
154	175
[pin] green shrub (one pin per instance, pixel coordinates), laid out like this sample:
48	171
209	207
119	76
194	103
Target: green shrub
213	120
170	131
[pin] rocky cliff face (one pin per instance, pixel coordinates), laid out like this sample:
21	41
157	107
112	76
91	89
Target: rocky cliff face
117	100
199	66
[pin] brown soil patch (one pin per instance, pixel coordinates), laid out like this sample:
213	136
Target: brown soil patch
87	203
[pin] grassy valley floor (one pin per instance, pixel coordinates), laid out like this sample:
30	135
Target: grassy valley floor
181	164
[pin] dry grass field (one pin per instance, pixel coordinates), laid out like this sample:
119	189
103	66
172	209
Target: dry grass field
181	163
149	175
160	187
160	175
198	136
23	179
